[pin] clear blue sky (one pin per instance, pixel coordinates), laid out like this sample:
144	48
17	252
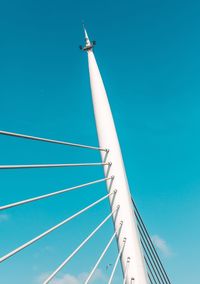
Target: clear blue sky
148	53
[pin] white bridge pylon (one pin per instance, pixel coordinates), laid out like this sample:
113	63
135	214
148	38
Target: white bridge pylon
140	262
132	252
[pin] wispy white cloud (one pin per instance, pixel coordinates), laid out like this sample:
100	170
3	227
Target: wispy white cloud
73	279
4	217
67	278
162	245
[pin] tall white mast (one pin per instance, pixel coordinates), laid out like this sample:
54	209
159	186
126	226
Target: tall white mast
132	258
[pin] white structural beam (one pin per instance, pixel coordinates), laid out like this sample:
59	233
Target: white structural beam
25	201
79	247
5	257
50	140
108	138
117	232
15	167
116	262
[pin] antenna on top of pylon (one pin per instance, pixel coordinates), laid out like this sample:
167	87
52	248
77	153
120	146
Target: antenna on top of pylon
88	44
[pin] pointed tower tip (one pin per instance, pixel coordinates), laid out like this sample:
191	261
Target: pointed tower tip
88	45
87	41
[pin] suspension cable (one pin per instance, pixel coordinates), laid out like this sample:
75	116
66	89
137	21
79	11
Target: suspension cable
126	270
50	140
79	247
150	251
150	257
25	201
149	278
150	262
116	261
103	253
13	167
54	228
149	268
151	245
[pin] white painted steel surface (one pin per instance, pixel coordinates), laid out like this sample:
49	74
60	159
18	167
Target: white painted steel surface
108	139
49	140
33	199
79	247
5	257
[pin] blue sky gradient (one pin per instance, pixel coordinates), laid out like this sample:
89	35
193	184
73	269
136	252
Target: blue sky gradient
148	54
